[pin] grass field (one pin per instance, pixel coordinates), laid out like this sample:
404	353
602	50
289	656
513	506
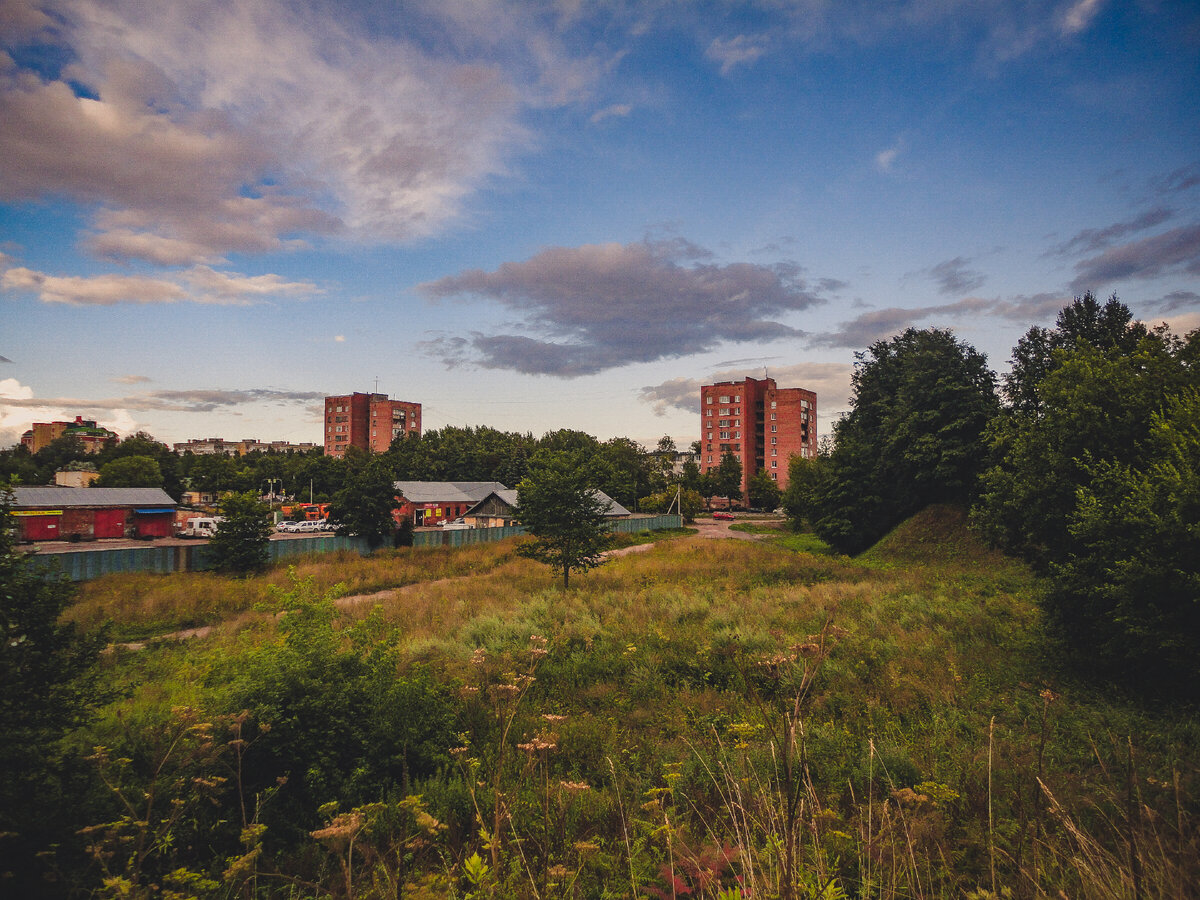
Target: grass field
707	718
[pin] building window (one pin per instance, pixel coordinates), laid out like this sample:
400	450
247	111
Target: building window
709	400
774	464
710	457
772	417
774	451
724	399
774	440
772	404
737	434
774	476
724	435
774	428
737	422
804	404
724	423
710	435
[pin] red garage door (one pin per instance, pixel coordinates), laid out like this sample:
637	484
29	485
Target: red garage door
110	523
39	527
155	523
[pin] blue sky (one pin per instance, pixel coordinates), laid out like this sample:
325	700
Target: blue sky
539	215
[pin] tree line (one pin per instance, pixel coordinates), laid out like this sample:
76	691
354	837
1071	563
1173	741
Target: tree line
634	476
1083	460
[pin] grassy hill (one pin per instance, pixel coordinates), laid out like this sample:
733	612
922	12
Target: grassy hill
721	717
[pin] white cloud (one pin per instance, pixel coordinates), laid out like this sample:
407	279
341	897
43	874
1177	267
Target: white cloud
199	284
617	110
741	50
209	127
886	159
17	418
1079	16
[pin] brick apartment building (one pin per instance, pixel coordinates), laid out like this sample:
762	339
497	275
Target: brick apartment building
761	424
367	421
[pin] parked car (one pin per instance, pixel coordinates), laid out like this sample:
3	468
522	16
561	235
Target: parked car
285	525
723	515
456	525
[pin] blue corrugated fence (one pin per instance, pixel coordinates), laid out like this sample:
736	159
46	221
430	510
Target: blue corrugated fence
81	565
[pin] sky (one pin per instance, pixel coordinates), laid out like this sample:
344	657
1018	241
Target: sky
546	214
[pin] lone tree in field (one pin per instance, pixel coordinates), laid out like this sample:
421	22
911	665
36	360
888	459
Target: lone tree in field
559	507
240	544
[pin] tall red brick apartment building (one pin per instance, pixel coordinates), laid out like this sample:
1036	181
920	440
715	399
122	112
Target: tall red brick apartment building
761	424
367	421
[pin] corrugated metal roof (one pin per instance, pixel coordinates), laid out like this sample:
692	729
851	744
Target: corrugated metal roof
447	491
90	496
611	506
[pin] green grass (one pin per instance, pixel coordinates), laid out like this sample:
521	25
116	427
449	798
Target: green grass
916	676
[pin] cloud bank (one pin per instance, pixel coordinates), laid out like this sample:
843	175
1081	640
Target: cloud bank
595	307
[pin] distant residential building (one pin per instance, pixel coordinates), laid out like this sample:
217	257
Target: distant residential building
428	503
499	509
93	437
78	478
367	421
763	425
219	446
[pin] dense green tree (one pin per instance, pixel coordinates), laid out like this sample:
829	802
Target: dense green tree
914	436
363	508
241	543
1098	489
17	466
764	492
1107	326
1128	594
143	444
57	454
727	478
678	499
47	669
805	486
1095	406
558	505
130	471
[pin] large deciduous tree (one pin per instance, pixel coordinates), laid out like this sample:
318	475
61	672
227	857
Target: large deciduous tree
764	492
131	471
558	505
914	436
363	508
1096	486
240	545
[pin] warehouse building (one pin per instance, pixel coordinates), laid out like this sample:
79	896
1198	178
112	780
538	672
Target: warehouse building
88	514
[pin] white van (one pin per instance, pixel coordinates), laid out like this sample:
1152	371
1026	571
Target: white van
201	526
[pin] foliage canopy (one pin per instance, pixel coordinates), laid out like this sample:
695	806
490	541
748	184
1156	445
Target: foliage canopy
559	507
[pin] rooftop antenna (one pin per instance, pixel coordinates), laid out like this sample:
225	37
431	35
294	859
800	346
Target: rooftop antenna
377	384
